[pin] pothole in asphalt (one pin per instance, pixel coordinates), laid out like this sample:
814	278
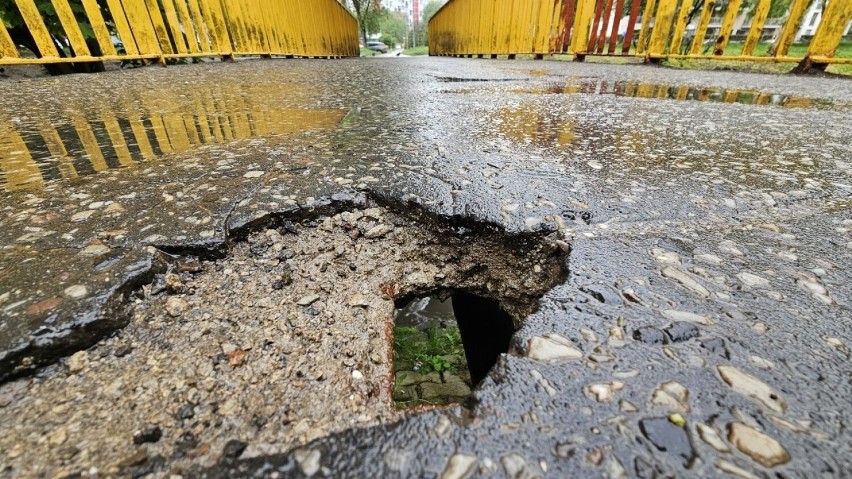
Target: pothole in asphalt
445	345
287	339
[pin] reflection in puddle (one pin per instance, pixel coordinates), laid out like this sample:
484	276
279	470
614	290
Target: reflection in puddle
72	144
650	90
530	124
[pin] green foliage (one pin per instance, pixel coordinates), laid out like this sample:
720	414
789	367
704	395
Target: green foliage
369	14
437	364
394	25
407	343
431	349
778	8
430	9
388	40
421	35
424	50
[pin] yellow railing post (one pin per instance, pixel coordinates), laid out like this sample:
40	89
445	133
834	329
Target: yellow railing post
727	26
641	43
72	28
791	26
582	27
761	11
701	29
32	18
680	27
96	20
7	46
119	19
662	28
143	30
835	19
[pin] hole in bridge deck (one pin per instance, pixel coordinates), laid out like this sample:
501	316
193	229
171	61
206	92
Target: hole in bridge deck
444	348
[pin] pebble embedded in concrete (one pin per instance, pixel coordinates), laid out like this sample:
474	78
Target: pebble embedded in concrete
757	445
753	387
460	466
552	347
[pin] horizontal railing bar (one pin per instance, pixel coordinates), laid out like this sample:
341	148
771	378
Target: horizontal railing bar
50	60
751	58
44	61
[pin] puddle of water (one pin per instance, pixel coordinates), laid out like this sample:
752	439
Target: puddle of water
443	348
477	80
84	141
682	93
532	124
529	124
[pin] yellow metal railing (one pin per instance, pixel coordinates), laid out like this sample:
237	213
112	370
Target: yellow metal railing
161	29
651	29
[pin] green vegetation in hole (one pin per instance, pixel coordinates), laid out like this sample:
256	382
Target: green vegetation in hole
433	350
430	366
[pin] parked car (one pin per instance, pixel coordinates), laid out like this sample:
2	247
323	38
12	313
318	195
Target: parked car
377	46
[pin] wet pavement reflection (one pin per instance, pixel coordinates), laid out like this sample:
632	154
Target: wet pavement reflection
84	140
681	93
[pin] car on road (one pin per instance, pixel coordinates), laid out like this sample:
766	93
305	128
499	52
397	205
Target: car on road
377	46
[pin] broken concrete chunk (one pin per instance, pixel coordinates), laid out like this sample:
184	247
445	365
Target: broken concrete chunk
665	256
358	299
176	306
734	470
752	280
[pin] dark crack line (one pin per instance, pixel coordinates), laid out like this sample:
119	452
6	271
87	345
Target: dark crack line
252	192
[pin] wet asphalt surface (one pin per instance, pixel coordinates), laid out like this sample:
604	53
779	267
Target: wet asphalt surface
703	330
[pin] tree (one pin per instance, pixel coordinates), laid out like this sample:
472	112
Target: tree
421	29
779	8
430	9
369	14
393	25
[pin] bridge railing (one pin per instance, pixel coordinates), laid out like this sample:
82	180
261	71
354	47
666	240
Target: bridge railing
652	29
71	31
